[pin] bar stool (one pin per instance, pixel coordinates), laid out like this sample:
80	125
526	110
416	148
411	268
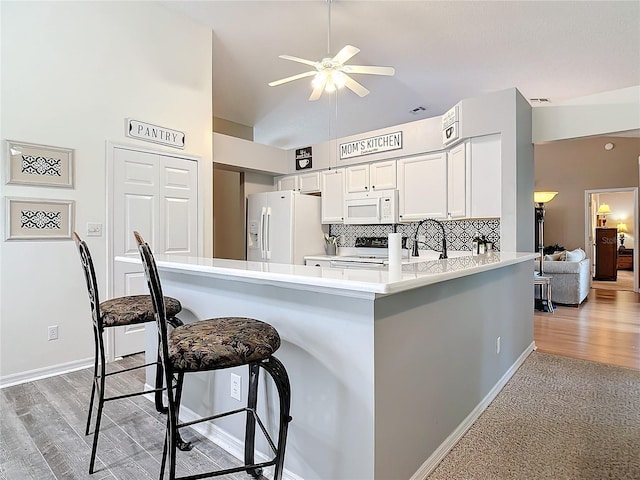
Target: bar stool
117	312
216	344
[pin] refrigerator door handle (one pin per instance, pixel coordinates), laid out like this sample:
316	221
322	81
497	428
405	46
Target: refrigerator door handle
262	233
268	235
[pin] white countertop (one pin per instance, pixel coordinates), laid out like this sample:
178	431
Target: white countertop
348	281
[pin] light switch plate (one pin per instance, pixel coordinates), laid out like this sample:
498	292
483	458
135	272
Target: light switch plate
94	229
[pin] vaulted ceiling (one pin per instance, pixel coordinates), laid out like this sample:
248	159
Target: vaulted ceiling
443	52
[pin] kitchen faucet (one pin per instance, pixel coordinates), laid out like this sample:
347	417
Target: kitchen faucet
415	252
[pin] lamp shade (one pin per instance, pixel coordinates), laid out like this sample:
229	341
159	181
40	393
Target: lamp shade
603	209
543	197
622	227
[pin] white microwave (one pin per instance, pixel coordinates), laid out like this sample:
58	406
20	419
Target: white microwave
371	207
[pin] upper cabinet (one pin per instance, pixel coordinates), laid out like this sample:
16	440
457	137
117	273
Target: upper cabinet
309	182
486	176
303	183
332	187
371	177
287	182
457	182
422	187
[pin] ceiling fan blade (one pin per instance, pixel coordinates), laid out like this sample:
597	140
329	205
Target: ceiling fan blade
299	60
369	69
292	78
345	54
355	87
318	88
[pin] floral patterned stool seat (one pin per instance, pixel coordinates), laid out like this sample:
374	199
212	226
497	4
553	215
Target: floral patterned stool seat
117	312
215	344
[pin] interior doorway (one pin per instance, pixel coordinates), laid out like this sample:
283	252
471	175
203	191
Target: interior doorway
615	208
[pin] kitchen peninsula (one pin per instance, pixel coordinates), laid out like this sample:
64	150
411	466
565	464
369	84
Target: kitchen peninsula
388	368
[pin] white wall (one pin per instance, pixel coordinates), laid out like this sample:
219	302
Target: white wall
71	73
607	112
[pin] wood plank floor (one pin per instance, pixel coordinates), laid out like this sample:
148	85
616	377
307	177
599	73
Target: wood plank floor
42	432
605	328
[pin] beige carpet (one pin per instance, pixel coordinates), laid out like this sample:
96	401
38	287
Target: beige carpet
557	418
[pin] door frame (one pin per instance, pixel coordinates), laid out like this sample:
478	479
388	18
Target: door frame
589	219
111	146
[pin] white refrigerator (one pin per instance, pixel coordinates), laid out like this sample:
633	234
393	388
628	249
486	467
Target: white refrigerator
283	227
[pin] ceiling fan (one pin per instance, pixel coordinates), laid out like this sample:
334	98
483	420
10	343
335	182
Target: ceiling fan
332	73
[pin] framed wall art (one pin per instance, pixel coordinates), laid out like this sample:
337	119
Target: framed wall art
31	164
38	219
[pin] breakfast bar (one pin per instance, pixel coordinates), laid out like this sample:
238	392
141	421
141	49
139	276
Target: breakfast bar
388	367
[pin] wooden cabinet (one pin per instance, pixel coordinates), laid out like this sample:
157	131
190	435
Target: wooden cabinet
625	259
606	254
371	177
422	187
332	190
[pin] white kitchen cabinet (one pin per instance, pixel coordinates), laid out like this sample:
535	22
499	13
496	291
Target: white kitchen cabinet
457	182
422	187
287	182
382	175
357	178
332	190
309	182
486	176
369	177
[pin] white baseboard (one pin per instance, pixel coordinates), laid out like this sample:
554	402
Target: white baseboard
224	439
39	373
436	457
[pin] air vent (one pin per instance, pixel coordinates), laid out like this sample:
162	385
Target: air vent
417	110
539	100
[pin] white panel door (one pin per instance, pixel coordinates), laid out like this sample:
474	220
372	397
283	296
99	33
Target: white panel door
157	196
422	187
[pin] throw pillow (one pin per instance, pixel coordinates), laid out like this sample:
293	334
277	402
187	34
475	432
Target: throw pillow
576	255
555	257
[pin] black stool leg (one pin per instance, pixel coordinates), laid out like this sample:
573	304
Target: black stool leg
93	393
281	379
159	384
250	429
98	417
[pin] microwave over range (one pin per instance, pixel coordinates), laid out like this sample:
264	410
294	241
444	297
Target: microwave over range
367	208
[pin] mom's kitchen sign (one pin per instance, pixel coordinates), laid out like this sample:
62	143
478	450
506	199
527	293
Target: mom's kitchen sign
368	146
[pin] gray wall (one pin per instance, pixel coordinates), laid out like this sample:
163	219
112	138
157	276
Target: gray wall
570	167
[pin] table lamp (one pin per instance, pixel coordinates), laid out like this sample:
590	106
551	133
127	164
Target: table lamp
540	198
603	210
622	229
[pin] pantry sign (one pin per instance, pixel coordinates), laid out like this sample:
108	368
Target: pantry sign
368	146
154	133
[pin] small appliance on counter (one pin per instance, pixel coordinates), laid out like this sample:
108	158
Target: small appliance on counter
371	252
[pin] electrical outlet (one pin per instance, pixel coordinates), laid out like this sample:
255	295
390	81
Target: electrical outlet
236	386
497	345
52	333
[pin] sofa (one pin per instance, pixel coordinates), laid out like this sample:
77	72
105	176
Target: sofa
570	273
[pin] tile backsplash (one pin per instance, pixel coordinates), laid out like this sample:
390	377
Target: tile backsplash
459	232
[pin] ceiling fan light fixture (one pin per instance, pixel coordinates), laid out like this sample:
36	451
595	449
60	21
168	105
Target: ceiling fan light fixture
339	78
319	79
